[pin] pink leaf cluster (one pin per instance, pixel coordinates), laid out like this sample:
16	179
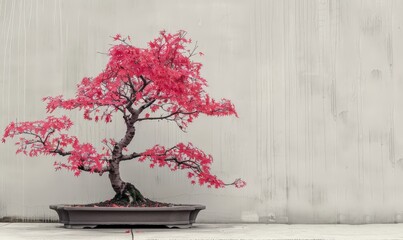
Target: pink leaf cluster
48	137
41	137
85	156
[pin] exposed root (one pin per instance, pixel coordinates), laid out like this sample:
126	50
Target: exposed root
114	203
129	194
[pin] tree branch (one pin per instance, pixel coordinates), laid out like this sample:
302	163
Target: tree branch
165	117
131	156
88	169
196	167
145	83
131	84
142	108
47	136
60	152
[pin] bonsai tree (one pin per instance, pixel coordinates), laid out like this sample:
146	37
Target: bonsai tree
159	82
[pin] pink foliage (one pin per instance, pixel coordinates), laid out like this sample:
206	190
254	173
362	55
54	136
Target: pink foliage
48	137
163	73
159	82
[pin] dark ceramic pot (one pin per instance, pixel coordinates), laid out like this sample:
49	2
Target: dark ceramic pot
181	216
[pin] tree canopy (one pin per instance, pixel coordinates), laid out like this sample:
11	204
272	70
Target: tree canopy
159	82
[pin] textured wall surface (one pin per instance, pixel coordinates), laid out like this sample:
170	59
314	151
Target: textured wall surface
317	85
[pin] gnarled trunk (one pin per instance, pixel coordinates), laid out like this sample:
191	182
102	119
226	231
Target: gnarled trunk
125	192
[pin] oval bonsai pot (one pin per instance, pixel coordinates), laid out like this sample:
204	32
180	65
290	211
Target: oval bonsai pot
181	216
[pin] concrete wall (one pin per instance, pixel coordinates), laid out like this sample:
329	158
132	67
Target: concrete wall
316	83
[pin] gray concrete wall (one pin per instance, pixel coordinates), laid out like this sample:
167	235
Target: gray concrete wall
317	85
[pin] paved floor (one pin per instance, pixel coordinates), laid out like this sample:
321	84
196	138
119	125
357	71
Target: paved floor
52	231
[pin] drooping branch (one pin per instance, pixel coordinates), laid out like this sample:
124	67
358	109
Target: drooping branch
187	157
197	170
193	165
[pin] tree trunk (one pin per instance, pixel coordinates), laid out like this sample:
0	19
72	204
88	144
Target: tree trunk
125	192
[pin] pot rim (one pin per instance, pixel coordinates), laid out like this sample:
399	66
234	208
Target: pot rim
176	207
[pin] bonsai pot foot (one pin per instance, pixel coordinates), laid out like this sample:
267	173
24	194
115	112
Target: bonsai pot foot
177	216
79	226
183	226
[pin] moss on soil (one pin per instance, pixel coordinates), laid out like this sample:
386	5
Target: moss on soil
122	203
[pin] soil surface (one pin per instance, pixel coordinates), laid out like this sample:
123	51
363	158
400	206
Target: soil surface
116	203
